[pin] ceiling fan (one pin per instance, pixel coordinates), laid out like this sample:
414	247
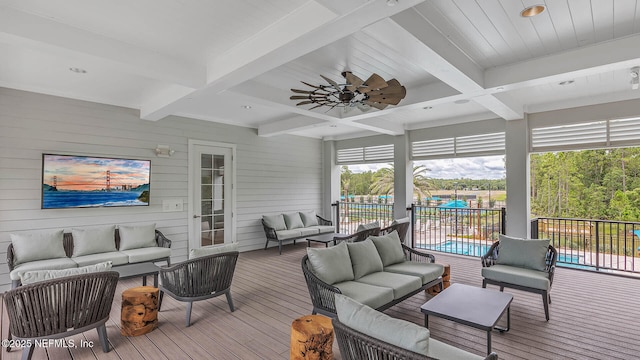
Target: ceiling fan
364	94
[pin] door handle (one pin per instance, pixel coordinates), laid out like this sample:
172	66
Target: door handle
196	216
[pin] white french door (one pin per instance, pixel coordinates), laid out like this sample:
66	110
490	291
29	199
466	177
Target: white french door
211	186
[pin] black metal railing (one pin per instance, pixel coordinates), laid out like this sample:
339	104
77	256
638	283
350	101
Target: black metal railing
351	214
464	231
592	244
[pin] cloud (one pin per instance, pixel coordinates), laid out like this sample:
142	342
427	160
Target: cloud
485	167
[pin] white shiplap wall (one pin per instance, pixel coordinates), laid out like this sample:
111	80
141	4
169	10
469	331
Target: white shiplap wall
274	175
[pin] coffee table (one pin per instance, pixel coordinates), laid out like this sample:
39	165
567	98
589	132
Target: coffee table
139	269
326	238
472	306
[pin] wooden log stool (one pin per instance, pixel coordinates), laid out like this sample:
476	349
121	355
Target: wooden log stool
312	338
446	281
139	313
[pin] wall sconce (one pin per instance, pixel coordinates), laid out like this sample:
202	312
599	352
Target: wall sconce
164	151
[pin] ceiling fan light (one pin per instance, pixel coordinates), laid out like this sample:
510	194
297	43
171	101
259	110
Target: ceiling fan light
392	2
532	11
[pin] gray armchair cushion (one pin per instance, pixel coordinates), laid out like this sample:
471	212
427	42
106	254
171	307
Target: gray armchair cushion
364	258
525	253
440	350
425	271
137	236
398	332
309	218
93	240
37	245
34	276
211	250
368	226
293	221
49	264
518	276
275	221
331	265
400	283
389	248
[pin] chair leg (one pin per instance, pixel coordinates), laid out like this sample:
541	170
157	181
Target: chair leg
280	246
545	301
501	288
231	307
27	352
8	342
160	300
266	244
102	335
549	296
188	319
484	283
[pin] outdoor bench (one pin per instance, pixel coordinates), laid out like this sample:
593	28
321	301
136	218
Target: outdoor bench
293	226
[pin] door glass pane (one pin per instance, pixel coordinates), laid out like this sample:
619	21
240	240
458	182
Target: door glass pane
218	237
206	236
212	199
206	161
206	208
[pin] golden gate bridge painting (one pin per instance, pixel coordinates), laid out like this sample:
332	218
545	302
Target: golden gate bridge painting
70	181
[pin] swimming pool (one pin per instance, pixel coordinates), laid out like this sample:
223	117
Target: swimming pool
472	249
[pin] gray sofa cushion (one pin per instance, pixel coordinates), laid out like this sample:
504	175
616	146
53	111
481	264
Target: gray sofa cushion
37	245
526	253
93	240
331	265
364	258
211	250
308	231
400	283
440	350
381	326
309	218
116	257
371	225
288	234
50	264
389	247
34	276
323	229
519	276
146	254
293	221
371	295
427	272
137	236
275	221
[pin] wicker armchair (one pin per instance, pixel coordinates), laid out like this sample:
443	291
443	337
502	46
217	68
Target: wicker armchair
361	235
199	279
489	259
401	228
54	309
355	345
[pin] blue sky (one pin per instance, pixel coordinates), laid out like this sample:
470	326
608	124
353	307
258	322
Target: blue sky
485	167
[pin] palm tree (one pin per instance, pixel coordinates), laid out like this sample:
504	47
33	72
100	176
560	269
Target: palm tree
384	178
345	181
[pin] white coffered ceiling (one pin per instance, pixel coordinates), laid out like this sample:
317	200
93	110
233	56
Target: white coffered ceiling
211	59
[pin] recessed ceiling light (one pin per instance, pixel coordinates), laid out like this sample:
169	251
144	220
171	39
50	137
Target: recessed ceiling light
333	125
499	88
428	107
567	82
532	11
462	101
392	2
246	107
78	70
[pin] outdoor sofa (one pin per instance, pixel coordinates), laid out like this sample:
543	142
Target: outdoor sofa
293	226
57	250
379	272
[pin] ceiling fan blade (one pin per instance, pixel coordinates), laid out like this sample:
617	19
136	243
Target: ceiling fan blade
313	86
303	97
305	102
393	82
374	82
304	91
333	83
376	105
390	90
353	81
385	99
317	106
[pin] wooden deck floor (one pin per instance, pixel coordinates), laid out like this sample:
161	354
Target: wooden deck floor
593	316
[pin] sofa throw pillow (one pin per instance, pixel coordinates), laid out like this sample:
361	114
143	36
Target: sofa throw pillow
364	258
401	221
137	236
331	265
93	240
30	277
389	247
211	250
37	245
525	253
293	221
275	221
368	226
309	218
381	326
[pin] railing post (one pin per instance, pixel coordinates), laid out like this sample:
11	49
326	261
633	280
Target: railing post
413	223
534	229
597	245
503	221
337	205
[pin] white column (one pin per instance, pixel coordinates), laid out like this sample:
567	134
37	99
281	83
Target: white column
403	176
517	168
330	179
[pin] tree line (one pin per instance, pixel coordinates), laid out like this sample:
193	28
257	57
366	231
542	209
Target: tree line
589	184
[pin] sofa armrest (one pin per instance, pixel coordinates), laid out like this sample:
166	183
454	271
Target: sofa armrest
10	257
323	221
491	256
269	232
162	240
322	294
418	256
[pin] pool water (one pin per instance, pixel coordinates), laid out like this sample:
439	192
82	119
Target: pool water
471	249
